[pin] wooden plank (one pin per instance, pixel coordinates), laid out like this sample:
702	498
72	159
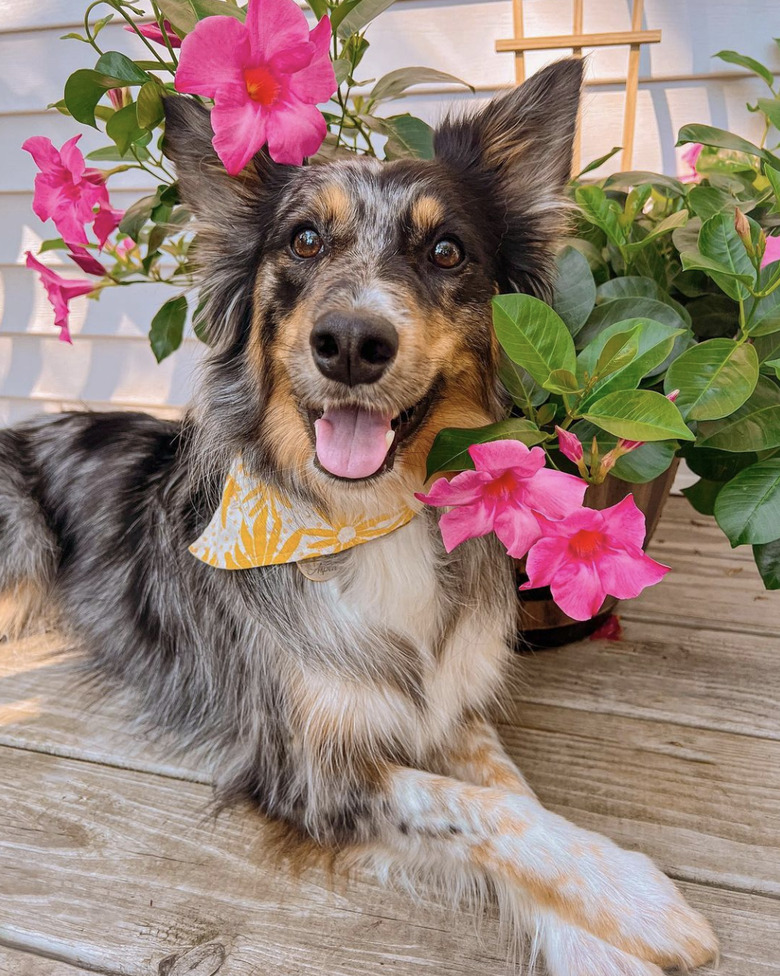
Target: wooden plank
121	870
661	672
13	963
558	42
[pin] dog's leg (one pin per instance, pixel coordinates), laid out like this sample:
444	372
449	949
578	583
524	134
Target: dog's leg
478	757
591	905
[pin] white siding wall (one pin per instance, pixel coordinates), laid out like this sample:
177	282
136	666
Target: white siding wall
110	362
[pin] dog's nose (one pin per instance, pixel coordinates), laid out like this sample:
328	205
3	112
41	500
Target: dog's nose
353	349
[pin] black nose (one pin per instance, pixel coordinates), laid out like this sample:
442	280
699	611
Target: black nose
353	349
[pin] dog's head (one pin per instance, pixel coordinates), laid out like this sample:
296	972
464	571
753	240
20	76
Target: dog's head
348	302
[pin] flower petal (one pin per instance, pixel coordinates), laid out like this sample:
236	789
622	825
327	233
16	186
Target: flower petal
578	590
498	456
295	131
518	528
213	56
86	262
316	82
240	127
42	150
106	223
554	494
72	158
544	560
464	489
468	522
626	573
275	25
625	523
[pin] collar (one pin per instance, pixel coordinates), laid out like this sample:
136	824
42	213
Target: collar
258	525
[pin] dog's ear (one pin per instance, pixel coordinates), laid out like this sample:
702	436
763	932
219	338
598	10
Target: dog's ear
232	213
517	154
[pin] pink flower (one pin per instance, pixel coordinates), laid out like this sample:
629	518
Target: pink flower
86	262
690	157
266	78
152	32
66	191
772	251
117	96
570	445
60	291
507	494
590	554
122	248
106	223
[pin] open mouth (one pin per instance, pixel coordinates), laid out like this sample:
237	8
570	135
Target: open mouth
354	443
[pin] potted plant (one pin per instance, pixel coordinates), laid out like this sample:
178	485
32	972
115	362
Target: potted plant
661	339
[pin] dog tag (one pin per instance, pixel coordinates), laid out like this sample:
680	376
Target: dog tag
319	570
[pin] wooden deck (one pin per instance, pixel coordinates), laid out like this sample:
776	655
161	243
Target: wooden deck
666	741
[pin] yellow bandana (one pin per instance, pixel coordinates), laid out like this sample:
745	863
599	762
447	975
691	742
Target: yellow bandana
256	525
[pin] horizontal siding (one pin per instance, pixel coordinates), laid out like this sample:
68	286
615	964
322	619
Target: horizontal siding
110	362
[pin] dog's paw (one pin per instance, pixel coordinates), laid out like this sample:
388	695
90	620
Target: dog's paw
570	951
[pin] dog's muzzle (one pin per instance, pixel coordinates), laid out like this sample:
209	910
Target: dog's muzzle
353	349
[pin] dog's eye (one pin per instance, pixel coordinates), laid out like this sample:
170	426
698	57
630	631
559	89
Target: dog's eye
306	243
447	254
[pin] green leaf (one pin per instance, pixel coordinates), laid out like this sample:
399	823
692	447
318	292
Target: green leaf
525	392
110	154
702	495
136	216
598	209
395	83
408	136
73	36
450	448
123	127
714	316
767	347
167	328
668	224
710	135
149	106
599	162
619	350
763	314
714	378
562	381
99	24
533	335
767	557
360	15
771	108
638	415
55	244
83	90
639	286
116	65
217	8
715	465
318	7
731	282
180	13
631	178
748	507
775	365
708	201
720	242
655	342
755	426
575	290
745	62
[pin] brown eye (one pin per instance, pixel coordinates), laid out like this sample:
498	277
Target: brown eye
447	254
306	243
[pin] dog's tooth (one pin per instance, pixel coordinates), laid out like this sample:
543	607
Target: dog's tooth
389	438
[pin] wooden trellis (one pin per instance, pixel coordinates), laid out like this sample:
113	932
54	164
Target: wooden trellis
578	40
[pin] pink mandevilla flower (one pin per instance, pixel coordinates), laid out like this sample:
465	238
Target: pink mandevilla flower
60	291
68	192
507	493
152	32
690	157
772	251
590	554
266	77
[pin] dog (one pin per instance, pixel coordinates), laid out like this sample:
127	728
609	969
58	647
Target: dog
347	307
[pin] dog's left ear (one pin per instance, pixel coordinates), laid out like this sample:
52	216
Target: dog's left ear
516	153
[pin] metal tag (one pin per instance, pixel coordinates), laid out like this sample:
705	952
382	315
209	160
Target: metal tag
320	569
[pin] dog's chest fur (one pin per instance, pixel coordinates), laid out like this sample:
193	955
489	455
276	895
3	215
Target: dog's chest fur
437	652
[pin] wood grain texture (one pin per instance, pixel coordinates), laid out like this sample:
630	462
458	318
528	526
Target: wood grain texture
13	963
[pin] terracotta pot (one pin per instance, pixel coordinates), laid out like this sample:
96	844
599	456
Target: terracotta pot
541	623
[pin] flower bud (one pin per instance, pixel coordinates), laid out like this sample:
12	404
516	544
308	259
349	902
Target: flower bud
742	228
569	445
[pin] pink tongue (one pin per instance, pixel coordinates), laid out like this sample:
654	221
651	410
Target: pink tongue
352	443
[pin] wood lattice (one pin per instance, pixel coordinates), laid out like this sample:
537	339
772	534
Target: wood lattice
577	40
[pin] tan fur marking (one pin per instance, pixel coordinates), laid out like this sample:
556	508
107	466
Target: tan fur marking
427	213
20	610
335	204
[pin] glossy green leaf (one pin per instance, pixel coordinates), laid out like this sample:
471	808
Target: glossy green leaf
654	340
755	426
450	448
167	328
599	162
732	57
731	282
702	495
748	507
360	15
574	294
55	244
180	13
408	136
318	7
83	90
117	65
774	364
719	242
709	201
767	347
630	178
767	557
710	135
136	216
123	127
217	8
523	389
714	378
619	350
149	106
598	209
638	415
396	83
533	336
763	315
771	108
639	286
665	226
561	381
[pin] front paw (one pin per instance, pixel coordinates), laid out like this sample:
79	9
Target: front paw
571	951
